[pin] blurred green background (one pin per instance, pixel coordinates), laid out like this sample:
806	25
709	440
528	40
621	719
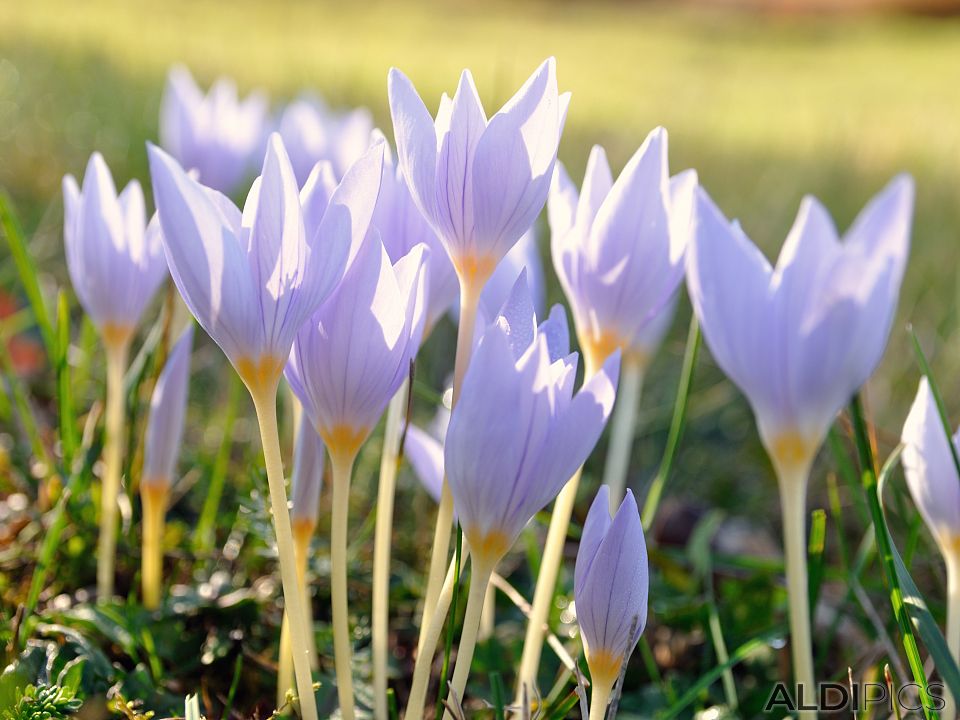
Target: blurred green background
766	106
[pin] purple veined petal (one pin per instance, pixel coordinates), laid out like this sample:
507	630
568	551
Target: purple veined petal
305	128
562	203
416	140
883	226
72	209
144	250
514	161
466	124
307	479
207	263
425	454
557	332
178	108
273	225
595	527
524	255
134	213
597	183
613	590
517	318
345	223
728	280
577	430
315	195
929	468
168	405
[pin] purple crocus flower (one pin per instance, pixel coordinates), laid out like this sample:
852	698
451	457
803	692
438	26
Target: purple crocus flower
525	255
307	480
168	406
611	585
800	339
312	132
253	279
519	432
930	471
216	134
114	258
618	249
480	183
351	356
402	227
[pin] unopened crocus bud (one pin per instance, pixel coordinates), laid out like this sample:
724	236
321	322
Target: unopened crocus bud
115	259
618	249
216	134
168	406
307	480
799	339
519	431
253	279
351	356
313	132
611	584
481	183
930	470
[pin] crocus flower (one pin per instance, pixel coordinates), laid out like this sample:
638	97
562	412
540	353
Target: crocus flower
115	259
252	280
930	470
217	134
935	486
312	132
611	583
402	227
168	405
618	249
480	183
799	339
519	432
352	355
525	255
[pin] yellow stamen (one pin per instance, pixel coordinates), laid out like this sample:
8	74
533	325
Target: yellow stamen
604	666
116	335
791	451
487	547
259	374
472	269
344	441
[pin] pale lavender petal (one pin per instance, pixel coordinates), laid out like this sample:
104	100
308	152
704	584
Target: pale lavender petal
425	454
165	423
307	480
416	140
315	196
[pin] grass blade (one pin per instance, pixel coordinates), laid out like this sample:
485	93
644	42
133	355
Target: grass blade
68	435
677	425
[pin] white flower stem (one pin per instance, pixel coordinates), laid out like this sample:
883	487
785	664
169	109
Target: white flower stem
383	534
793	495
430	639
265	402
342	467
153	498
482	569
469	301
117	352
622	427
547	578
488	618
600	691
952	557
285	676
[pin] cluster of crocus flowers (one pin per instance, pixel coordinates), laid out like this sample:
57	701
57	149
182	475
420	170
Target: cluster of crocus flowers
800	339
348	361
164	434
115	261
480	182
611	586
252	280
216	134
514	439
931	471
618	249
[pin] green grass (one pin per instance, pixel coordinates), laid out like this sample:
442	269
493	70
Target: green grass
765	108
